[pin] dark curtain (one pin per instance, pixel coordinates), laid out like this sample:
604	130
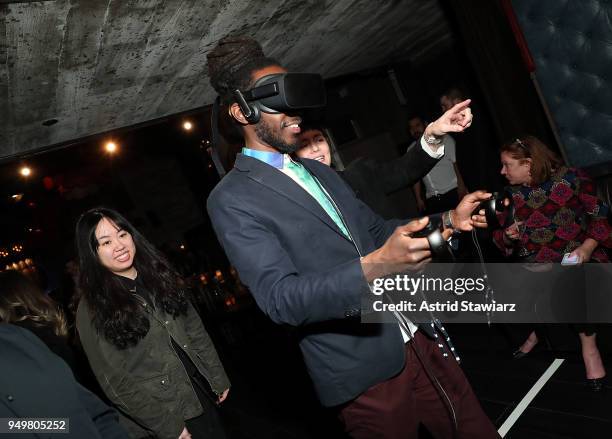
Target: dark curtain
503	77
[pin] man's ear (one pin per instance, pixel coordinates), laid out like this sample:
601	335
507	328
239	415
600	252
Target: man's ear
236	113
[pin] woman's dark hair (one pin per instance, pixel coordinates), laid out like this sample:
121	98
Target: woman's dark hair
116	313
315	126
21	299
544	162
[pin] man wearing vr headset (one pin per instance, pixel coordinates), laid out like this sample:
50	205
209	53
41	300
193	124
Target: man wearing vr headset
307	247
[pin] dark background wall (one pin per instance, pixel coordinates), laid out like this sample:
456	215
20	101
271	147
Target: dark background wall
571	42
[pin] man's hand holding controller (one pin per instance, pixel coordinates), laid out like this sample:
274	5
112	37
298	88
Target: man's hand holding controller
407	248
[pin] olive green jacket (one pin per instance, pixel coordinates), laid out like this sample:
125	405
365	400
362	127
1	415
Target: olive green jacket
148	382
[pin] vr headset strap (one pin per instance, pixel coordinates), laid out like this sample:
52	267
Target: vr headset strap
214	137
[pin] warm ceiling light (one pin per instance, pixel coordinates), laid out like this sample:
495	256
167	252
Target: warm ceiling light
187	126
25	171
110	147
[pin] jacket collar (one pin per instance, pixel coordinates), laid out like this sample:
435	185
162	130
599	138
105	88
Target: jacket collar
280	183
274	159
326	180
129	284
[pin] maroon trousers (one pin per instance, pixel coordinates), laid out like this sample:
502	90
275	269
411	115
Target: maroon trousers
394	408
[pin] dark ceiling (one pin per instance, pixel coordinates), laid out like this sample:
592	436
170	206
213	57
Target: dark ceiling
99	65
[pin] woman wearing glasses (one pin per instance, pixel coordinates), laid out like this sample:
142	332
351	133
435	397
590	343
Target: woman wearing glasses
557	211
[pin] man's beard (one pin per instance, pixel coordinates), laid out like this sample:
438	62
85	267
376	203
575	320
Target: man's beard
267	135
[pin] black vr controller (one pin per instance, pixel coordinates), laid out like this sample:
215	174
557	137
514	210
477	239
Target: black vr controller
496	205
437	244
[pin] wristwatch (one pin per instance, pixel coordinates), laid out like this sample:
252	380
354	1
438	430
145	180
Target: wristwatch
447	222
431	140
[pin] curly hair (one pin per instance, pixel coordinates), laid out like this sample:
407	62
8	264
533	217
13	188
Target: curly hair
21	299
231	63
117	315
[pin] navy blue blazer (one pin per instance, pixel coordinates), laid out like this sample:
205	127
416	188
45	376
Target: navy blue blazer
303	271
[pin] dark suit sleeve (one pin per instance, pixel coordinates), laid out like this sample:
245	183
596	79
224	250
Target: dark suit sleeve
406	170
285	295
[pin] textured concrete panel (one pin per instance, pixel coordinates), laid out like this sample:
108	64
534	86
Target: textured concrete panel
98	65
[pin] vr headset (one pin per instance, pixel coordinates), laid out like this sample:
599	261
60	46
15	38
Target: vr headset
281	93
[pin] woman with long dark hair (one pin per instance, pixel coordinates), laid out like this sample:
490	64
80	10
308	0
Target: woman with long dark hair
144	340
557	212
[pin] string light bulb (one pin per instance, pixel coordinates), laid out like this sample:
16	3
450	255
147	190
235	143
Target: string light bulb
111	147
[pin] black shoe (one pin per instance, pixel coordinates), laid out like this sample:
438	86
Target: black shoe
595	384
518	354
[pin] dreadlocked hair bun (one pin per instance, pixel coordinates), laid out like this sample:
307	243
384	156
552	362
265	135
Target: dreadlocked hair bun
231	62
228	58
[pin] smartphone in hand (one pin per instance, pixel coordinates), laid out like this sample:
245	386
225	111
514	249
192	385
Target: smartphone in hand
570	260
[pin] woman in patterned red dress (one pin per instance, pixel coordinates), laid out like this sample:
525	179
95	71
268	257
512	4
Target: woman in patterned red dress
557	212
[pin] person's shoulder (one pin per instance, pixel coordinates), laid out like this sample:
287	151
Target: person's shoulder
321	169
569	175
229	185
8	330
230	179
578	172
314	165
45	332
17	336
19	346
318	168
